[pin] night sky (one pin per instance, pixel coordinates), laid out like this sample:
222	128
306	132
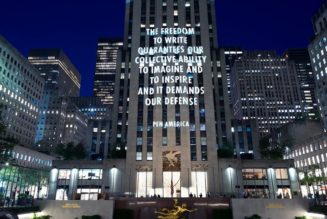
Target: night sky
75	26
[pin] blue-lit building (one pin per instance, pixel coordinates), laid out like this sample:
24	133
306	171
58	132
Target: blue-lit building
21	88
62	80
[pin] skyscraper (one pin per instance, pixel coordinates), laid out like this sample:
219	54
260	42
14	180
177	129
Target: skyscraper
231	54
62	79
99	125
171	103
265	88
105	70
21	88
306	80
318	55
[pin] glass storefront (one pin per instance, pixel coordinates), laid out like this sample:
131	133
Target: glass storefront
18	183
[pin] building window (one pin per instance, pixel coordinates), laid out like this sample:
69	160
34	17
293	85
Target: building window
64	174
164	141
203	141
202	127
254	174
90	174
281	173
149	156
139	141
138	155
204	153
89	193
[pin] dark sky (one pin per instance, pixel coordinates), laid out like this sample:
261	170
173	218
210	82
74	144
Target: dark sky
75	26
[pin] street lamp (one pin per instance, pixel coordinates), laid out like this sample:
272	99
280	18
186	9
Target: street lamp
230	169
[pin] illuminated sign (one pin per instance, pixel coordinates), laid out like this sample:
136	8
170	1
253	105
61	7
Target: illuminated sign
176	57
275	205
72	205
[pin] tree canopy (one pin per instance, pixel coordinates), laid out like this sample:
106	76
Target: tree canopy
118	151
271	152
70	151
226	151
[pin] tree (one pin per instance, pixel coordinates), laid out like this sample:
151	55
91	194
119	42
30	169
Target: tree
79	151
60	150
226	151
118	151
271	152
310	177
71	151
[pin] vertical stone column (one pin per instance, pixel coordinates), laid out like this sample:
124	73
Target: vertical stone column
53	184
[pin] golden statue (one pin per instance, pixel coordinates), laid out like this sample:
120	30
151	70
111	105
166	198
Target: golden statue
174	213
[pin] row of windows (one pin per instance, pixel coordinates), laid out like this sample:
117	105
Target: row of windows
307	149
82	174
247	174
261	174
31	159
8	59
313	160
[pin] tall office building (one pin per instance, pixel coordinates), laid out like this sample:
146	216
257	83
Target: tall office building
318	55
21	90
231	54
301	59
171	103
265	88
105	70
99	125
62	79
64	123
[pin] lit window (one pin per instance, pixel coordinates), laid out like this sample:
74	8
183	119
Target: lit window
149	156
64	174
281	173
138	155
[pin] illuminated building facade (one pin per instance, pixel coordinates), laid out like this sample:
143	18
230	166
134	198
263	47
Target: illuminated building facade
171	103
93	180
105	70
318	55
62	79
20	93
265	88
171	111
